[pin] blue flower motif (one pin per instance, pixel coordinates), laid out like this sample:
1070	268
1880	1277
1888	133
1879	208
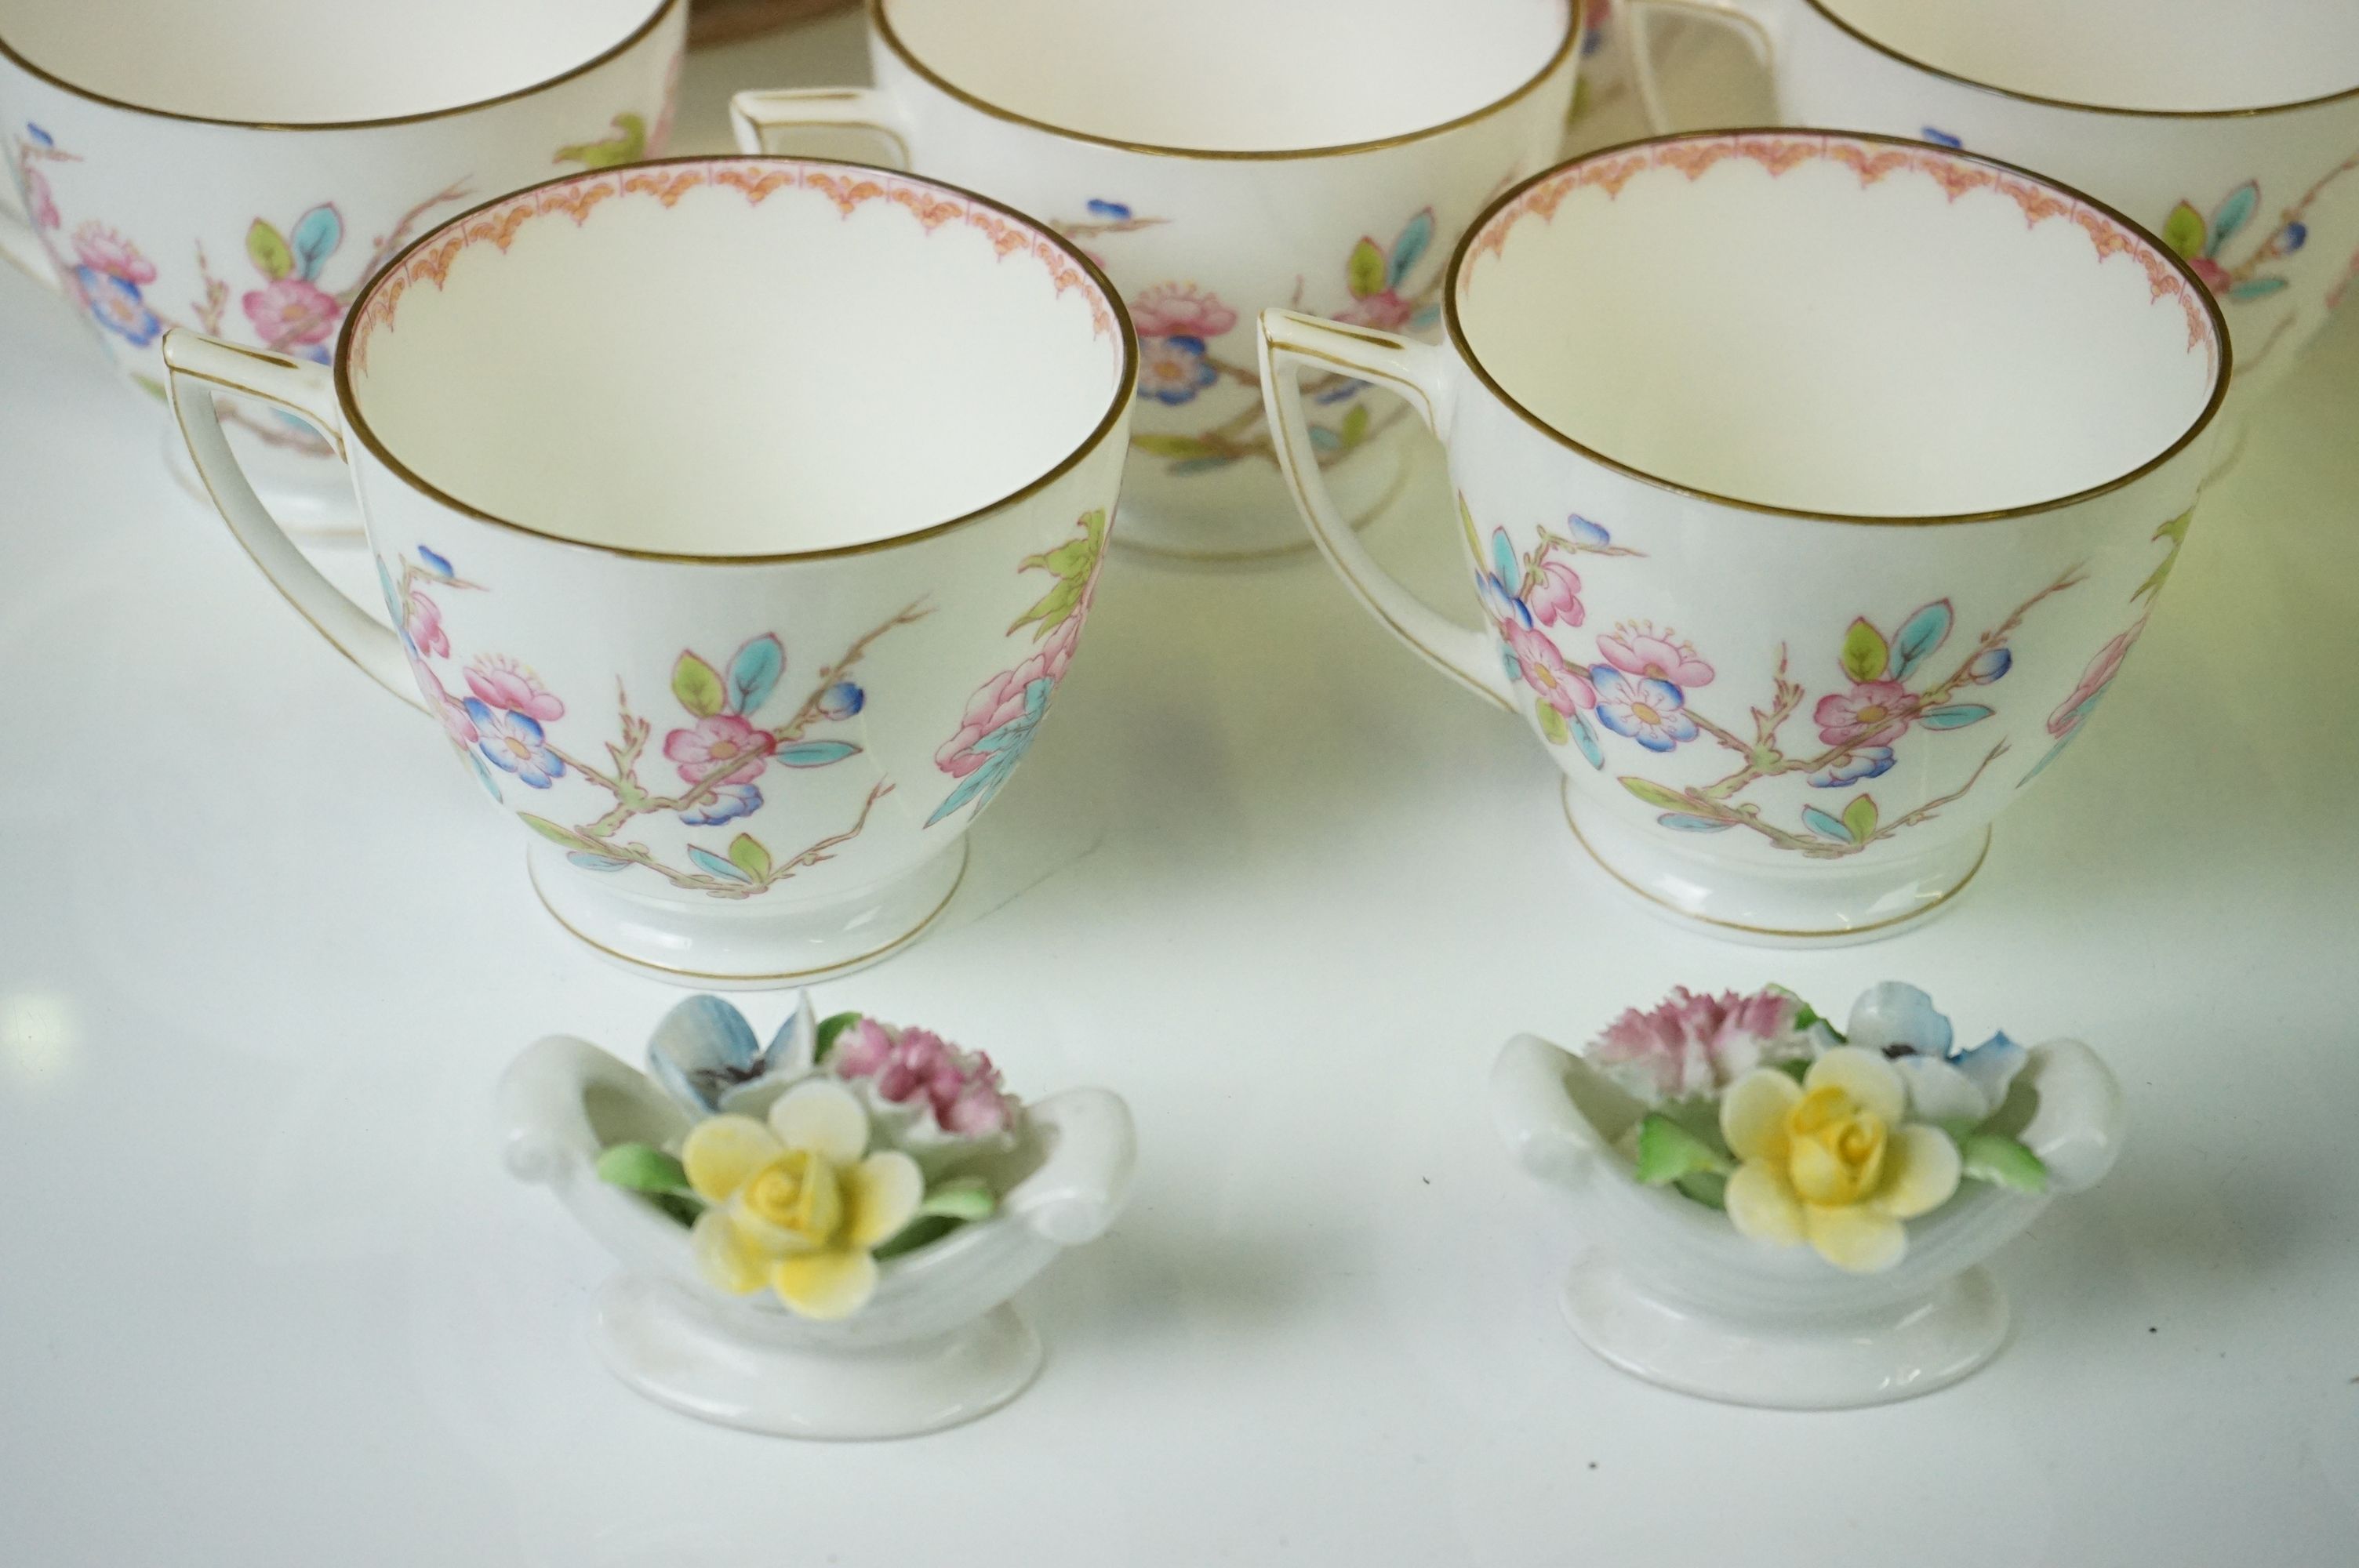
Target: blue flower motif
1581	531
118	307
2291	238
703	1053
436	564
1868	762
1174	370
729	801
40	135
841	700
1943	139
1989	665
1957	1088
1002	748
1492	582
514	744
1117	211
1642	709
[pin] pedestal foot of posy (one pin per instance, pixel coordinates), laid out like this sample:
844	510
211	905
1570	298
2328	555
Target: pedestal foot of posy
1830	1363
1240	514
310	496
666	1347
1813	903
743	943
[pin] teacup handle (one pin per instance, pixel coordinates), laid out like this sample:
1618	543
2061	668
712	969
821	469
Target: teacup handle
199	369
753	115
1637	18
1420	372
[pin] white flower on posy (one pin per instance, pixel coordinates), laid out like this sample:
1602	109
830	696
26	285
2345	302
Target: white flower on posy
1947	1085
704	1055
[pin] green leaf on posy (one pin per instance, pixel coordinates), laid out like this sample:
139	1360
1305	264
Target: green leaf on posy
1709	1188
1668	1151
1654	794
745	852
642	1168
2184	230
823	1039
1552	724
268	249
698	687
922	1231
2001	1161
1866	654
1365	270
960	1197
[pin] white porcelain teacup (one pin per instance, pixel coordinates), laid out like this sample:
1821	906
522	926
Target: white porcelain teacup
245	165
704	556
1323	153
1814	486
2233	135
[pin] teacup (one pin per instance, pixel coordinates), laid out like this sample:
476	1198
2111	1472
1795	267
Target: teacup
704	557
1813	485
2236	141
1323	153
245	166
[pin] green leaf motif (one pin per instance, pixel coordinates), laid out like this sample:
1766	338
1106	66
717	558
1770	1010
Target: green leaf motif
960	1197
1709	1188
551	831
268	248
2002	1161
1866	654
1826	827
1075	562
1174	446
2184	230
2235	211
829	1027
1355	425
745	853
1668	1151
1365	270
642	1168
2176	532
1552	724
698	687
1919	636
1654	794
1859	819
2256	287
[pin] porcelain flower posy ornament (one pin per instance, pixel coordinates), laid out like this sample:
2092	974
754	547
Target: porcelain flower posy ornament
821	1234
1786	1214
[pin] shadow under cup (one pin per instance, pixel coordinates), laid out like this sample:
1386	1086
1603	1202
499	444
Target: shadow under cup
701	546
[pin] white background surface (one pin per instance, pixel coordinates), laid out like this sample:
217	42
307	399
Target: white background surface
266	1297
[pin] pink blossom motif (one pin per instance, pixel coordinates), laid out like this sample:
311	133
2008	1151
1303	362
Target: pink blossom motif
1557	598
500	682
289	311
423	627
2216	276
2073	710
40	206
1008	698
454	719
1644	708
108	254
1643	651
721	744
917	1066
1180	310
1384	311
1873	712
1692	1045
1543	669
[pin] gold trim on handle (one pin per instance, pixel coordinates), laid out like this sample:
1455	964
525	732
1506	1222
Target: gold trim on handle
1576	29
653	19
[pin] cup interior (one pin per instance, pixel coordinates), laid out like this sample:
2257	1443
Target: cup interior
296	62
1234	75
730	358
2187	56
1840	326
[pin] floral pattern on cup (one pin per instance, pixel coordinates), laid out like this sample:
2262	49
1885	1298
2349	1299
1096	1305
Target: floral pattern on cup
1003	715
1640	683
1181	326
2098	677
2202	242
721	751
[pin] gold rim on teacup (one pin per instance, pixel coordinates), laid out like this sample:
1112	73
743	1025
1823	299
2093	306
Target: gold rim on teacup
653	19
2225	371
2021	97
1125	385
1576	29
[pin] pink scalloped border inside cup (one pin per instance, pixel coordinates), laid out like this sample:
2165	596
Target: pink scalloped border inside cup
1871	161
849	188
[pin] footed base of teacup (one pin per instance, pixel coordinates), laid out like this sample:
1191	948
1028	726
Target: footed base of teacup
1872	1358
1817	904
1240	514
743	943
659	1343
310	496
